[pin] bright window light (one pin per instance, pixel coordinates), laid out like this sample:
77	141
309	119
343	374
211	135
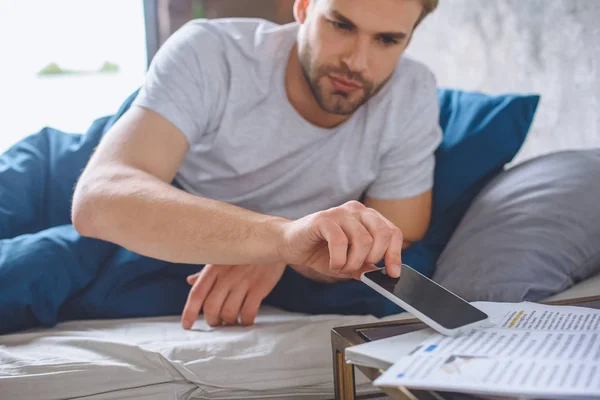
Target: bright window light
65	63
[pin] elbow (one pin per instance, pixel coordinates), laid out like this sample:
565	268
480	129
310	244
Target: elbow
417	233
82	221
82	212
98	198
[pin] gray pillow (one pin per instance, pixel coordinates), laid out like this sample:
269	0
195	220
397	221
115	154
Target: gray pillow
532	232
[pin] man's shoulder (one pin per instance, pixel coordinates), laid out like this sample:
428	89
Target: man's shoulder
409	99
413	74
240	33
411	80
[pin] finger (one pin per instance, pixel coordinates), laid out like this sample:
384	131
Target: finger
393	255
250	308
233	305
197	295
365	268
361	242
191	279
380	231
260	287
337	243
214	301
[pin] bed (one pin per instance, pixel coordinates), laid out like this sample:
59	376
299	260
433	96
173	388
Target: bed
287	355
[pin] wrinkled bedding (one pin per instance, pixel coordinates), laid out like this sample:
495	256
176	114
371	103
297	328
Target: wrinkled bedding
285	355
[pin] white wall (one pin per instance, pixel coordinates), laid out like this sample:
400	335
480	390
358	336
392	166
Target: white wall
551	47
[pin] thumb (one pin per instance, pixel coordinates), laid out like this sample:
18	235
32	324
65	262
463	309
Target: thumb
365	268
191	279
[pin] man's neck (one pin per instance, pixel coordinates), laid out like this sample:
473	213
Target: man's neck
301	96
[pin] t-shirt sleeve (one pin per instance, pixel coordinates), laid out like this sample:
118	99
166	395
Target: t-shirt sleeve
186	80
407	167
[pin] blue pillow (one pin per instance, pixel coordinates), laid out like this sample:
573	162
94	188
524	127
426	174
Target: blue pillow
481	134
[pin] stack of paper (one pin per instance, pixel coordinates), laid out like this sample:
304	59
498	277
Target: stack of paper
384	353
533	350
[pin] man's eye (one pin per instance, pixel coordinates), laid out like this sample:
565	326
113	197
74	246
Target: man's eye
388	41
341	25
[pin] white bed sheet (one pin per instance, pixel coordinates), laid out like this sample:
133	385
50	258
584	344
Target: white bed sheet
285	355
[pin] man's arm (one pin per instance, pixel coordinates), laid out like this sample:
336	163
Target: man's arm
402	191
411	215
124	196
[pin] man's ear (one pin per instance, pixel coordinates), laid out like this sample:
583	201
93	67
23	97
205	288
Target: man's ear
301	10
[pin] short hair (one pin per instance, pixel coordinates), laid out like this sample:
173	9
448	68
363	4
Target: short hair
429	6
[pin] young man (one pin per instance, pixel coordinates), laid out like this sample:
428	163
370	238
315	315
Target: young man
274	133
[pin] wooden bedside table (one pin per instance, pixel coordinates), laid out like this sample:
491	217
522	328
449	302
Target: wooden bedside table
348	336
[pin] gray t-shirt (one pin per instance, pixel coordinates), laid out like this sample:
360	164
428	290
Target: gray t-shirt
222	83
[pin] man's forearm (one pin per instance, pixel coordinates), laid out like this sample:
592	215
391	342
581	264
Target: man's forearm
144	214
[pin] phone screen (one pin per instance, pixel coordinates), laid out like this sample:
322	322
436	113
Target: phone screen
428	297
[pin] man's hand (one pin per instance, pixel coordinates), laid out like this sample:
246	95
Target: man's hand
343	241
226	292
313	275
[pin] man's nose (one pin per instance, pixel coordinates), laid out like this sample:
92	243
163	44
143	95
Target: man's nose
358	55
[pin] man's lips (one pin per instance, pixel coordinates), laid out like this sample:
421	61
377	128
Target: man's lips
344	85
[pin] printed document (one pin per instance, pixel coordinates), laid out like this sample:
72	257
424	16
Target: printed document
531	350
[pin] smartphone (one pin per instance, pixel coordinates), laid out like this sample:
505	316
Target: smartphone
431	303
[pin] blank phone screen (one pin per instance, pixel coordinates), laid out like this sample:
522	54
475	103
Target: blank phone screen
428	297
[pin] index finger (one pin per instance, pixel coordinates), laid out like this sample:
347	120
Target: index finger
337	244
197	295
393	254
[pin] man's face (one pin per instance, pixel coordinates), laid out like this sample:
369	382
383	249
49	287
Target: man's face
348	49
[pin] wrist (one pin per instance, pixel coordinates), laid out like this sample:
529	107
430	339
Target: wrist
274	238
